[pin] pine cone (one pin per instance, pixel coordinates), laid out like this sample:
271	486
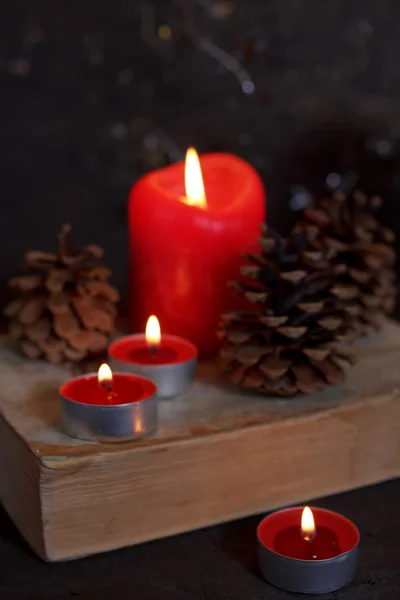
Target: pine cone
362	247
65	309
286	343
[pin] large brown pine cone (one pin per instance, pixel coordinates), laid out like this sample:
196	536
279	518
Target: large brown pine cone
65	308
287	342
363	248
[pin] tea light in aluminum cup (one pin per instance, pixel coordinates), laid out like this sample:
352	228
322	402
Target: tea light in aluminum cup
169	361
108	407
307	551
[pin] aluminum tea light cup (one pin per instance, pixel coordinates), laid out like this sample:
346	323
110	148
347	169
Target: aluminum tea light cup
168	360
118	408
320	560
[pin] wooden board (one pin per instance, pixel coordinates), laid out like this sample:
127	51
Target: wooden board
219	454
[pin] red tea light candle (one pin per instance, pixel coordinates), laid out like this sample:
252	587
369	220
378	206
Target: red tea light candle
190	224
308	551
107	407
168	360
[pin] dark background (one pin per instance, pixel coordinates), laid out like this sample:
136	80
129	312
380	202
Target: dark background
94	93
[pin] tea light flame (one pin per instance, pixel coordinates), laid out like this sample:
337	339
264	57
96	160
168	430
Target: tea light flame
105	374
153	332
105	377
194	186
307	524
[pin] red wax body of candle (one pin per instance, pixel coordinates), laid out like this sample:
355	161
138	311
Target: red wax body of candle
126	389
334	534
134	349
183	256
290	542
146	356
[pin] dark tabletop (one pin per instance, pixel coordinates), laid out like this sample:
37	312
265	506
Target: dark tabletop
218	563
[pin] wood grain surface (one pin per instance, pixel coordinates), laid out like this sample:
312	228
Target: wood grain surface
219	454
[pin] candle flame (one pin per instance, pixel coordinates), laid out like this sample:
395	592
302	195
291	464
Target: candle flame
153	332
194	186
307	524
105	374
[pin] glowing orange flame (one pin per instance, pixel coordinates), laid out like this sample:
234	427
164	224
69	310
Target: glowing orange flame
307	524
153	332
194	186
105	374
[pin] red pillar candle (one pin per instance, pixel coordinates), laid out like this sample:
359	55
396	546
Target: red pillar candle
187	242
